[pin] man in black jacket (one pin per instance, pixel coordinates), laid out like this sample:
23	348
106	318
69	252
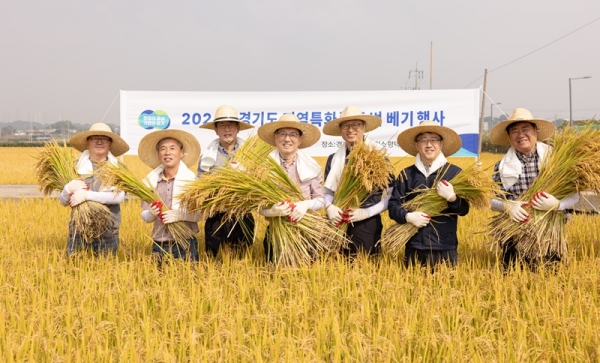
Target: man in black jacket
436	240
365	226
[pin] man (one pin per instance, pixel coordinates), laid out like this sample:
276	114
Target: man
436	241
289	135
217	231
365	226
170	153
518	169
97	145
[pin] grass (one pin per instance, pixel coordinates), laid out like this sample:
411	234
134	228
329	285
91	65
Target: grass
242	310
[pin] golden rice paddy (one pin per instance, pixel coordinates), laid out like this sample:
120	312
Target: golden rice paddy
240	309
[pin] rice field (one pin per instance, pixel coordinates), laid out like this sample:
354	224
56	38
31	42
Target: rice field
240	309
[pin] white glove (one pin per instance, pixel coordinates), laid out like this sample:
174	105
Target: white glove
300	209
446	190
75	185
278	210
418	219
517	213
154	211
237	166
335	214
358	214
78	197
544	201
171	216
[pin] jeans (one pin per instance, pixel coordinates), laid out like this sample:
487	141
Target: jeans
103	246
160	249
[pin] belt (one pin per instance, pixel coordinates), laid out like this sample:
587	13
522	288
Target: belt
165	243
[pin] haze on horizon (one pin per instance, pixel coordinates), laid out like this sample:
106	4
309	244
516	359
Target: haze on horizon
67	60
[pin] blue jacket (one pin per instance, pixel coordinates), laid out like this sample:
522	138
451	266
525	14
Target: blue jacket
440	233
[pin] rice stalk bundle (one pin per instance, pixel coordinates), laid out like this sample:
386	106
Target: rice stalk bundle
367	171
572	167
251	152
472	184
246	174
55	167
121	178
257	182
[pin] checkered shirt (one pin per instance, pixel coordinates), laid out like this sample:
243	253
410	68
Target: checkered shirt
530	167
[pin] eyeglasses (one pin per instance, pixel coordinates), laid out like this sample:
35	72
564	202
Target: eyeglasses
429	141
100	139
354	126
292	135
231	125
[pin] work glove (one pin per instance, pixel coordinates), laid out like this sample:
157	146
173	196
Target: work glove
155	208
517	213
418	219
445	190
78	197
281	209
75	185
358	214
171	216
299	210
544	201
335	214
237	166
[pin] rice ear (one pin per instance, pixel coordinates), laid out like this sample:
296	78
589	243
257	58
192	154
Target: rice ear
472	184
573	166
121	178
257	182
55	167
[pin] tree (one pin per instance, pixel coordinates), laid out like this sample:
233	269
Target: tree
8	130
62	125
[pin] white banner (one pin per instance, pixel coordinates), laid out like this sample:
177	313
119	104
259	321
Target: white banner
145	111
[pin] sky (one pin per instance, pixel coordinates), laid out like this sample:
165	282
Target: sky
67	59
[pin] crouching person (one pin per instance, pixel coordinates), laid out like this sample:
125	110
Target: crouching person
170	153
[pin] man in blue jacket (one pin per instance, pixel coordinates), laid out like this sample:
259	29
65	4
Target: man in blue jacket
436	241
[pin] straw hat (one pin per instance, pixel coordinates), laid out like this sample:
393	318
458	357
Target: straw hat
226	113
310	133
149	155
452	142
499	135
351	113
117	147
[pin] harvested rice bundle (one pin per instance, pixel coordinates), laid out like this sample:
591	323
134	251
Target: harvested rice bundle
121	178
472	184
220	191
55	167
366	172
254	181
573	166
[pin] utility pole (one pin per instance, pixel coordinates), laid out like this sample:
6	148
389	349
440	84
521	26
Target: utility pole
481	117
418	75
431	66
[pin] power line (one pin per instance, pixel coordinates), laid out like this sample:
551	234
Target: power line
538	49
